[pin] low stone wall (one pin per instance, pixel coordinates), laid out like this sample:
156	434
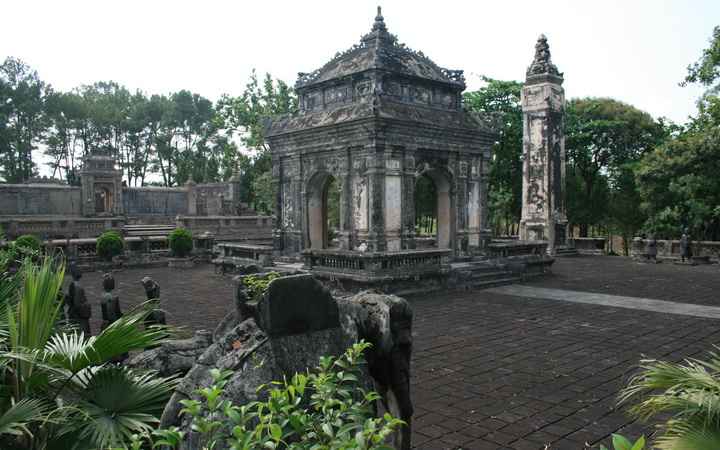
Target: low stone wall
58	227
238	226
670	249
587	245
139	251
523	258
401	272
234	256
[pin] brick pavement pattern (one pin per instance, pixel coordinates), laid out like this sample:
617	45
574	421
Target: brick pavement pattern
496	371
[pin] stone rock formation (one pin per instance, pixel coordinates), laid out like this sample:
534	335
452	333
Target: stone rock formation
284	331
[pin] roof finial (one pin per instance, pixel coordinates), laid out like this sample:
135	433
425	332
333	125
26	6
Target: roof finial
379	20
542	64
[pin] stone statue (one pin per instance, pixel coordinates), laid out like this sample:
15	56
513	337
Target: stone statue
110	306
686	245
651	247
79	310
157	316
152	289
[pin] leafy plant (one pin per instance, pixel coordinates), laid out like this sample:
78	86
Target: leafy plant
26	245
338	414
109	244
331	234
56	391
180	242
256	285
691	391
623	443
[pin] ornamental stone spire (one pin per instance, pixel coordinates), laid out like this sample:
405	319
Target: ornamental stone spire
543	103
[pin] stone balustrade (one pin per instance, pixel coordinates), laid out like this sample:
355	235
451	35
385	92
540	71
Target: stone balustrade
233	256
141	251
703	251
588	245
52	227
406	270
524	258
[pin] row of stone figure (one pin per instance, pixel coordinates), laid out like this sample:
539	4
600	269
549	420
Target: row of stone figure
79	309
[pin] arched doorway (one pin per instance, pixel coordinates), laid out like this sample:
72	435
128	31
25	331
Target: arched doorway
433	207
323	209
103	200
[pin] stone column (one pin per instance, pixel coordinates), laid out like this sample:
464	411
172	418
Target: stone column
543	103
408	201
191	195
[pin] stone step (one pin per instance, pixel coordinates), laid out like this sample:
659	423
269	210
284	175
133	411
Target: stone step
487	284
484	275
148	230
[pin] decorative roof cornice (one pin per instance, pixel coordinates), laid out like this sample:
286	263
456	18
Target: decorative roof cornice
380	38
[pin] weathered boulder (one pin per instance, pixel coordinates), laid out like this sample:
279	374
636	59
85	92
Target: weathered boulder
286	331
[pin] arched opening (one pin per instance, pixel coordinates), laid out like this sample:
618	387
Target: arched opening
433	208
323	209
103	200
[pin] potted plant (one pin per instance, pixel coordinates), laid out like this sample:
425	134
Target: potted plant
109	246
181	244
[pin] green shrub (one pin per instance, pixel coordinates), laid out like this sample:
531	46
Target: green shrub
331	234
26	245
180	242
108	245
339	414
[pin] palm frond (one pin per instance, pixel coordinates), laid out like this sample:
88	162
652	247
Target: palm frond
74	353
117	403
691	391
693	434
16	419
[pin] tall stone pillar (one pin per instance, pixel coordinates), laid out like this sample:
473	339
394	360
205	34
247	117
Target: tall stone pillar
191	195
543	202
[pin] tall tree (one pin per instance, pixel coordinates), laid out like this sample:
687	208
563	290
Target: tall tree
502	98
22	119
243	117
603	136
68	113
188	125
678	182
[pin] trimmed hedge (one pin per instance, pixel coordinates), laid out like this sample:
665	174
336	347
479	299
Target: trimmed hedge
180	242
108	245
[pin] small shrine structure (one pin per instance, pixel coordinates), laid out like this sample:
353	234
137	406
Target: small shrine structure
377	119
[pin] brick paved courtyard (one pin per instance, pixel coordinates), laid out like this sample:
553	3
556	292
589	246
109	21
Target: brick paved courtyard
494	370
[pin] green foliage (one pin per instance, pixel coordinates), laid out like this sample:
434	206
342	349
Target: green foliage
339	413
502	99
707	70
109	244
604	140
678	182
265	194
257	284
26	245
425	204
22	119
180	242
680	188
684	397
57	392
500	201
623	443
244	115
331	234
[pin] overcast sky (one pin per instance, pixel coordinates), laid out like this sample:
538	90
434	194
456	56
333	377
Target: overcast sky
635	51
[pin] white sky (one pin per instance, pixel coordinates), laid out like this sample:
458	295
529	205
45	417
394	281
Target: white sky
635	51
